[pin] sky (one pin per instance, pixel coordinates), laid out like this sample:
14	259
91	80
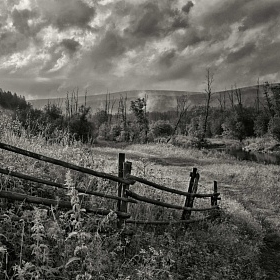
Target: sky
49	47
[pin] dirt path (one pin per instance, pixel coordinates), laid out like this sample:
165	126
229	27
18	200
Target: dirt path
270	255
270	251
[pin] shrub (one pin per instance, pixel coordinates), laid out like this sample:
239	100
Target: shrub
115	132
161	129
274	127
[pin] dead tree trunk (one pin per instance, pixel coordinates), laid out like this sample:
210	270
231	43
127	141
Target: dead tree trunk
208	90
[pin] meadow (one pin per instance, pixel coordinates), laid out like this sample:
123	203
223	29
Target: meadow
38	242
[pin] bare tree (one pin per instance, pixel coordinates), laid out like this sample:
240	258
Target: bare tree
266	88
231	96
258	97
238	95
76	100
222	100
86	98
122	111
182	108
208	90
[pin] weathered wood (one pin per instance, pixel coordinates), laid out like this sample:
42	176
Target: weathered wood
163	188
192	189
65	164
164	204
120	174
214	199
61	186
124	205
139	222
53	202
126	172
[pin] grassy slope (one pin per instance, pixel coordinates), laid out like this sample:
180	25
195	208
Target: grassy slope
229	249
253	184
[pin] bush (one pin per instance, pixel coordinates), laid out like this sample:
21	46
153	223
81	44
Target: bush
123	137
261	124
161	129
274	127
104	131
115	132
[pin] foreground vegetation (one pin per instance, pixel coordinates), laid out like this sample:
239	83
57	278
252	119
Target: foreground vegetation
47	243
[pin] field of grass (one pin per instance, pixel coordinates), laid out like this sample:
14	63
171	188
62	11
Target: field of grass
53	244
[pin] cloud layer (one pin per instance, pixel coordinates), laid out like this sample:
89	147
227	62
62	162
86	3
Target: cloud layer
49	47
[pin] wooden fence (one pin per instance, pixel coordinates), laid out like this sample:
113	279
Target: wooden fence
124	194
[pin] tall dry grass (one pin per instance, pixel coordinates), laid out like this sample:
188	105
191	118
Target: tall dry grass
227	248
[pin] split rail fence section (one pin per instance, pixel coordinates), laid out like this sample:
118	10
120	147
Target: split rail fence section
124	194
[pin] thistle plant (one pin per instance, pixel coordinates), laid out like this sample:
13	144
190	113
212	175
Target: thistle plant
39	268
39	249
3	256
77	236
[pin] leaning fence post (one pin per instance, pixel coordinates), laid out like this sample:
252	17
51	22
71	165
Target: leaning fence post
120	174
124	204
193	185
214	198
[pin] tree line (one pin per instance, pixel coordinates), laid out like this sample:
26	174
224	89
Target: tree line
133	123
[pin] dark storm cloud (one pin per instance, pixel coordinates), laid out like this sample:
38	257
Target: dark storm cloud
110	46
261	13
225	13
11	42
248	13
267	60
180	22
242	53
190	37
148	22
20	20
65	14
179	70
186	8
156	20
167	58
70	45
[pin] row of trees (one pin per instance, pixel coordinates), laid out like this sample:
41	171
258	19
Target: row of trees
132	122
11	101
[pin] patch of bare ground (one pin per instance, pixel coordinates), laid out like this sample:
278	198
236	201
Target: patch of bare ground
270	255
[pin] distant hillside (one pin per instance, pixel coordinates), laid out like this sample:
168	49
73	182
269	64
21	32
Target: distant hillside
158	100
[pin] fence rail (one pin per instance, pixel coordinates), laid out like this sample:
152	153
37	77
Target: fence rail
165	204
166	189
53	202
65	164
124	194
61	186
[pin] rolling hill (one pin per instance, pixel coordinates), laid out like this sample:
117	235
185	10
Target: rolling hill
158	100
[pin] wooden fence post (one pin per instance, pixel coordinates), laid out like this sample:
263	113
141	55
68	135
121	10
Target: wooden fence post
214	199
124	204
193	185
120	174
